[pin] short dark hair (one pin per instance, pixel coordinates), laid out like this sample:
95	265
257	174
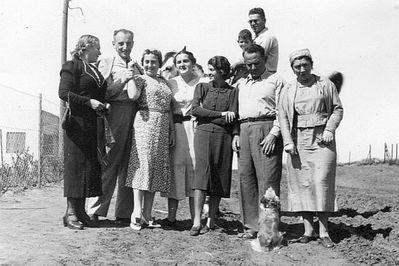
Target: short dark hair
220	63
125	31
189	54
168	55
245	35
155	52
254	48
257	11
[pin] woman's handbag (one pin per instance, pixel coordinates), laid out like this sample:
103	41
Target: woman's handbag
67	116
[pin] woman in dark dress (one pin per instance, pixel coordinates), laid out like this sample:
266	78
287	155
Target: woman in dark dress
215	107
83	86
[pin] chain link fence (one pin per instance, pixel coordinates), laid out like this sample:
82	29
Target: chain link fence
30	146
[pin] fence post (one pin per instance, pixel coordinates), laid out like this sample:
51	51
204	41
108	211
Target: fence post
39	164
1	147
391	154
349	163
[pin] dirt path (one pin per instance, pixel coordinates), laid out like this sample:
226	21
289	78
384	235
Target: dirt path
366	230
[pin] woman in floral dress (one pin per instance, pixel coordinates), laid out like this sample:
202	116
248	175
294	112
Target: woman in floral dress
149	166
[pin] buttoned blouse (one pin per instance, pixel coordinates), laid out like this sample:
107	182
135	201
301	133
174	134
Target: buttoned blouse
257	98
209	102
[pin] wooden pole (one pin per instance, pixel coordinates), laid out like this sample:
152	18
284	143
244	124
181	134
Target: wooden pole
396	157
349	163
64	40
39	165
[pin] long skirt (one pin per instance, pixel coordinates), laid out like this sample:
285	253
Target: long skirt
311	173
82	170
182	162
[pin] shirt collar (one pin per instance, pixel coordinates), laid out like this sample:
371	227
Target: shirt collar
265	75
262	31
117	57
222	89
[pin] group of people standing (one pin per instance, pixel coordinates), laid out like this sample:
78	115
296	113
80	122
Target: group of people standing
174	132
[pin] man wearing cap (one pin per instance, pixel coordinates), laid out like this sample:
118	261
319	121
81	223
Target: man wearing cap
118	71
264	38
257	139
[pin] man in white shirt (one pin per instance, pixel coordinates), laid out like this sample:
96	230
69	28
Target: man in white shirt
257	140
264	38
117	71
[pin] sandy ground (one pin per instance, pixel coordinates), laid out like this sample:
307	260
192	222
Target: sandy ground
365	230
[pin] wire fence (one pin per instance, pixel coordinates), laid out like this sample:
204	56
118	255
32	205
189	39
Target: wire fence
30	146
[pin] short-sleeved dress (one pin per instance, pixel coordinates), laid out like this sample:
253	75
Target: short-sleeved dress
149	165
182	157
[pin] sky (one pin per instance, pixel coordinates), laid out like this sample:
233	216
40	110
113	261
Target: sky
357	37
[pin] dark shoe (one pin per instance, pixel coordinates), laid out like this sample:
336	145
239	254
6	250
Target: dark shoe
305	239
168	223
215	228
122	221
326	242
72	222
195	230
93	217
87	221
205	230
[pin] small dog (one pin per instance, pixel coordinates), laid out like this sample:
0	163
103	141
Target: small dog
269	237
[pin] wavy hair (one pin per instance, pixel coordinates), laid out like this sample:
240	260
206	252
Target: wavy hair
221	64
155	52
82	44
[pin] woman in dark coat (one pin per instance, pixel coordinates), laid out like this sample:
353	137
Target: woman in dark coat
83	86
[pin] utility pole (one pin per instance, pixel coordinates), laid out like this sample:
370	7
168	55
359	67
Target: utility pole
39	165
64	40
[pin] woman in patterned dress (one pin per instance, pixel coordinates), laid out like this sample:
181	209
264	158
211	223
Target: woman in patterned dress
149	165
309	112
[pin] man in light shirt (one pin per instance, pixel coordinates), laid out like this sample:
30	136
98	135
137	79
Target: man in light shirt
257	140
117	71
264	38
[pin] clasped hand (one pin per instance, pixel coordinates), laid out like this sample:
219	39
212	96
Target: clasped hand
98	106
229	116
126	75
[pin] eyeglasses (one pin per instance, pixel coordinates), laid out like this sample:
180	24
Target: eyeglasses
256	21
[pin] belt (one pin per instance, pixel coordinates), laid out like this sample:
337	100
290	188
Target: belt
256	119
177	118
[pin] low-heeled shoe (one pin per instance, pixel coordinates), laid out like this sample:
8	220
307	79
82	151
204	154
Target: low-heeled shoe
72	222
306	239
195	230
326	242
122	221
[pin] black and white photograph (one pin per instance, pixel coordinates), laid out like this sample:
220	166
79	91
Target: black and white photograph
210	132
